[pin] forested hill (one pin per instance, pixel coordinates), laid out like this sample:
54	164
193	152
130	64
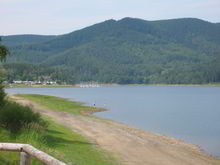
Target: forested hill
26	39
125	51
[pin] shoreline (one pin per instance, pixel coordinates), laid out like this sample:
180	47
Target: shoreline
198	147
141	136
110	85
92	112
178	85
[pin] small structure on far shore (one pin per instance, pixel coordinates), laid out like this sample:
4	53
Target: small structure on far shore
34	82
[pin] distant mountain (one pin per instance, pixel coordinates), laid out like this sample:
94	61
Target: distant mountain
125	51
25	39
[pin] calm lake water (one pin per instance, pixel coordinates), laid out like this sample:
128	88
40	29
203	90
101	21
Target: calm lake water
188	113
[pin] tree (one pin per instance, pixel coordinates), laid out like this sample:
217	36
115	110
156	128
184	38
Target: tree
3	53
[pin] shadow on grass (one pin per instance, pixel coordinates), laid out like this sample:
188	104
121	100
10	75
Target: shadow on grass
54	132
5	161
52	141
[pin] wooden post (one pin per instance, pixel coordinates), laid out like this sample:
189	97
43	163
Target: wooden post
25	159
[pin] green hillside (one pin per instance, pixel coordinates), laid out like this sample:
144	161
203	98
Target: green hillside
25	39
177	51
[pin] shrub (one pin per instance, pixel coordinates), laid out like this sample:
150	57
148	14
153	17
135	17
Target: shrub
14	116
2	95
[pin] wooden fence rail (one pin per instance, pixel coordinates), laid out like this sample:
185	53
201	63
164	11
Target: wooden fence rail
27	151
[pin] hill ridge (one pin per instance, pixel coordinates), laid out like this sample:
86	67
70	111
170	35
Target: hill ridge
129	50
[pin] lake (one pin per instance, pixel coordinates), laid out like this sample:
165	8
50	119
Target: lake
190	113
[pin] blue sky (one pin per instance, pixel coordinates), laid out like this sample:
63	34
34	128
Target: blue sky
63	16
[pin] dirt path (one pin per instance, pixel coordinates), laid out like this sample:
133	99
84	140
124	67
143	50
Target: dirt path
130	145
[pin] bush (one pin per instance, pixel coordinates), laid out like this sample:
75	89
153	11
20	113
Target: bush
2	95
14	116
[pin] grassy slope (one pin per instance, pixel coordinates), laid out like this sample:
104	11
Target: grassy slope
58	141
60	104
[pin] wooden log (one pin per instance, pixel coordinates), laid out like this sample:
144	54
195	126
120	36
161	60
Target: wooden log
45	158
30	151
10	147
25	159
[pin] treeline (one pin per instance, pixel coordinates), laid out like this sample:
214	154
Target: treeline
30	72
179	74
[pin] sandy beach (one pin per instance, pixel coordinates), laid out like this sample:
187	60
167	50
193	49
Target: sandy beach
131	146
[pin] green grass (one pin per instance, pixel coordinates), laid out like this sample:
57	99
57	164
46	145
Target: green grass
60	104
56	140
59	142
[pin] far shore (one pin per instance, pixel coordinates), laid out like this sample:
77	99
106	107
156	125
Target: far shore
209	85
100	85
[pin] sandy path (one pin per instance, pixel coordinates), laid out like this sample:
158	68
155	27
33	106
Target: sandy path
130	145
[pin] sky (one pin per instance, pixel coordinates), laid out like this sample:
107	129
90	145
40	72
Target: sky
48	17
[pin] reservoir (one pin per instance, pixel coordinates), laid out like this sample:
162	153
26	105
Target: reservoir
190	113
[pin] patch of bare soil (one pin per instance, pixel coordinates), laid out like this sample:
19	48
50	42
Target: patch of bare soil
130	145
